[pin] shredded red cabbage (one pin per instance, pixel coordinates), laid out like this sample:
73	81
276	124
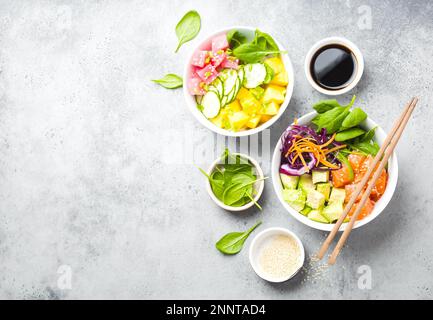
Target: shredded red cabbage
297	168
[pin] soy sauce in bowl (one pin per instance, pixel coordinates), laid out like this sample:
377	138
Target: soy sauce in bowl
333	67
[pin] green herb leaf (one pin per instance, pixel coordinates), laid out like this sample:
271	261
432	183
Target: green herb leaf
170	81
354	118
188	27
233	242
349	134
252	53
366	147
235	38
325	105
332	119
368	136
265	41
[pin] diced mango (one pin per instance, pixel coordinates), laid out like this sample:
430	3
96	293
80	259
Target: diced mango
281	79
218	120
235	106
238	120
265	118
274	93
250	105
270	108
243	93
276	64
253	122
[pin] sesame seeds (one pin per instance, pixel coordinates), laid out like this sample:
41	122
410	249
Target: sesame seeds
280	257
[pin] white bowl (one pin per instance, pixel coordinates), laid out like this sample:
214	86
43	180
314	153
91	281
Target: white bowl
255	249
378	207
258	186
192	105
341	41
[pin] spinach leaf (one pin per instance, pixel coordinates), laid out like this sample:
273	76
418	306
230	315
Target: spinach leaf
332	119
252	53
325	105
233	193
265	41
354	118
349	134
188	27
233	242
366	147
368	136
170	81
235	38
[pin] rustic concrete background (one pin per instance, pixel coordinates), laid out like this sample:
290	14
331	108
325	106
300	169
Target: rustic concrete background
86	186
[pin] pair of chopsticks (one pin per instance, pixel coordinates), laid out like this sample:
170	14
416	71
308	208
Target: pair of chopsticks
382	156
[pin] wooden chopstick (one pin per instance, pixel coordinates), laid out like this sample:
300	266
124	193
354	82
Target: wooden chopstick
390	141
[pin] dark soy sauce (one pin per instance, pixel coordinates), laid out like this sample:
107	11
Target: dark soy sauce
333	67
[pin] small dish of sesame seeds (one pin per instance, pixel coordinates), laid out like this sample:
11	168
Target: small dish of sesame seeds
276	254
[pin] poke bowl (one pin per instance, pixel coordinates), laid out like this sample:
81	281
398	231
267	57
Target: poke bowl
316	196
232	90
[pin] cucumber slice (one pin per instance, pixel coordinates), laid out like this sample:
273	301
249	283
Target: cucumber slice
198	99
234	93
224	101
230	82
241	75
255	75
211	104
214	89
218	84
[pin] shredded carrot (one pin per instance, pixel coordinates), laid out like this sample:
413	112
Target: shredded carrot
308	145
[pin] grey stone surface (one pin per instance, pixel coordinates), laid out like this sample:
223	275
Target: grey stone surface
85	180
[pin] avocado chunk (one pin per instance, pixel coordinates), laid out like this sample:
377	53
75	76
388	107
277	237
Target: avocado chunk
325	189
295	198
305	211
315	199
315	215
306	183
289	182
333	211
320	176
337	195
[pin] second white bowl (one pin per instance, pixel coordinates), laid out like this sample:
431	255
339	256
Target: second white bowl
192	104
378	207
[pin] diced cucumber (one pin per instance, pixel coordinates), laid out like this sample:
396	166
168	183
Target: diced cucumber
211	105
255	75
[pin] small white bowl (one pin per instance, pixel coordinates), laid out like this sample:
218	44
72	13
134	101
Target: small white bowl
256	247
341	41
192	104
379	205
258	186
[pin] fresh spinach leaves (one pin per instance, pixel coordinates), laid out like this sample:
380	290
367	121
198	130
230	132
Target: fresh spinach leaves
261	46
233	242
170	81
188	27
233	180
349	134
354	118
235	38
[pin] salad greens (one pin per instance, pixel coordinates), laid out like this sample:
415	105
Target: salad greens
233	180
232	242
261	46
339	119
188	27
170	81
